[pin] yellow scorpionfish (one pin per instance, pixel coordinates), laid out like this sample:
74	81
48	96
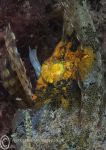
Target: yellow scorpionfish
65	63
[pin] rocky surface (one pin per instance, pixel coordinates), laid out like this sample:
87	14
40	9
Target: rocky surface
25	17
60	129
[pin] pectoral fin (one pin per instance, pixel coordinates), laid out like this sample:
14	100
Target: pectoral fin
34	61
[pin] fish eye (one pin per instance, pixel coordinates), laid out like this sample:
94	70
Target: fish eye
75	45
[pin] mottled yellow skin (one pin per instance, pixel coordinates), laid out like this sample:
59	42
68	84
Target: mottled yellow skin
64	64
55	72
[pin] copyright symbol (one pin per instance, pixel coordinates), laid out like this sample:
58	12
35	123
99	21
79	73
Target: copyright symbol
4	142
